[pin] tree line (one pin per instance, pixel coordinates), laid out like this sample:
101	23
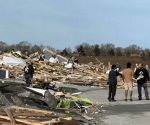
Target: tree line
108	49
23	46
83	49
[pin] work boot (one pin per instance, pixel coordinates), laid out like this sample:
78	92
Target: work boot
125	100
113	100
147	98
140	97
109	99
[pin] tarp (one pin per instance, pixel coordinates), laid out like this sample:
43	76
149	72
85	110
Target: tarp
12	60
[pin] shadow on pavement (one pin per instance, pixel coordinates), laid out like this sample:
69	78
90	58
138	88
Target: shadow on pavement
123	109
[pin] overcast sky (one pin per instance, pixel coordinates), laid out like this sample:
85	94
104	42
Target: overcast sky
67	23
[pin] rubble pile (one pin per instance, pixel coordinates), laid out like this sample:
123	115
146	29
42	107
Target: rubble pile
81	74
45	102
22	105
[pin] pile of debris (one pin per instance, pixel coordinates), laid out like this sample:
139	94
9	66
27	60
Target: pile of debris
44	103
32	106
65	71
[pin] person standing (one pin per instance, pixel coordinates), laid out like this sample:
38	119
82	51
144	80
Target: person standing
142	76
28	73
127	75
112	81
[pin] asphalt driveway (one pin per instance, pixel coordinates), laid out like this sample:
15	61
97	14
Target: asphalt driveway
120	112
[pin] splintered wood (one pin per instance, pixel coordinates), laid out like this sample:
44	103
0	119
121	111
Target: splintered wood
31	116
47	72
84	74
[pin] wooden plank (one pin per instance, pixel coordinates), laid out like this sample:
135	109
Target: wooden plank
20	120
7	122
31	110
10	115
6	102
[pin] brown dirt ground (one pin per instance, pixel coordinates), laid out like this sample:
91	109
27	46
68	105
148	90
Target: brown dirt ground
115	59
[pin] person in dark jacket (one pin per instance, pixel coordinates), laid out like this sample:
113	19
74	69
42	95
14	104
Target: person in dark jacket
28	73
142	76
112	81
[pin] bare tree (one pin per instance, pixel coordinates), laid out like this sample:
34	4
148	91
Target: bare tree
3	46
66	52
96	50
133	50
107	49
119	51
80	50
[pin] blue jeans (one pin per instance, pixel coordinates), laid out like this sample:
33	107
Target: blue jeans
145	90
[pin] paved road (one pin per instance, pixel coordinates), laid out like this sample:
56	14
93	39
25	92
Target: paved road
119	112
